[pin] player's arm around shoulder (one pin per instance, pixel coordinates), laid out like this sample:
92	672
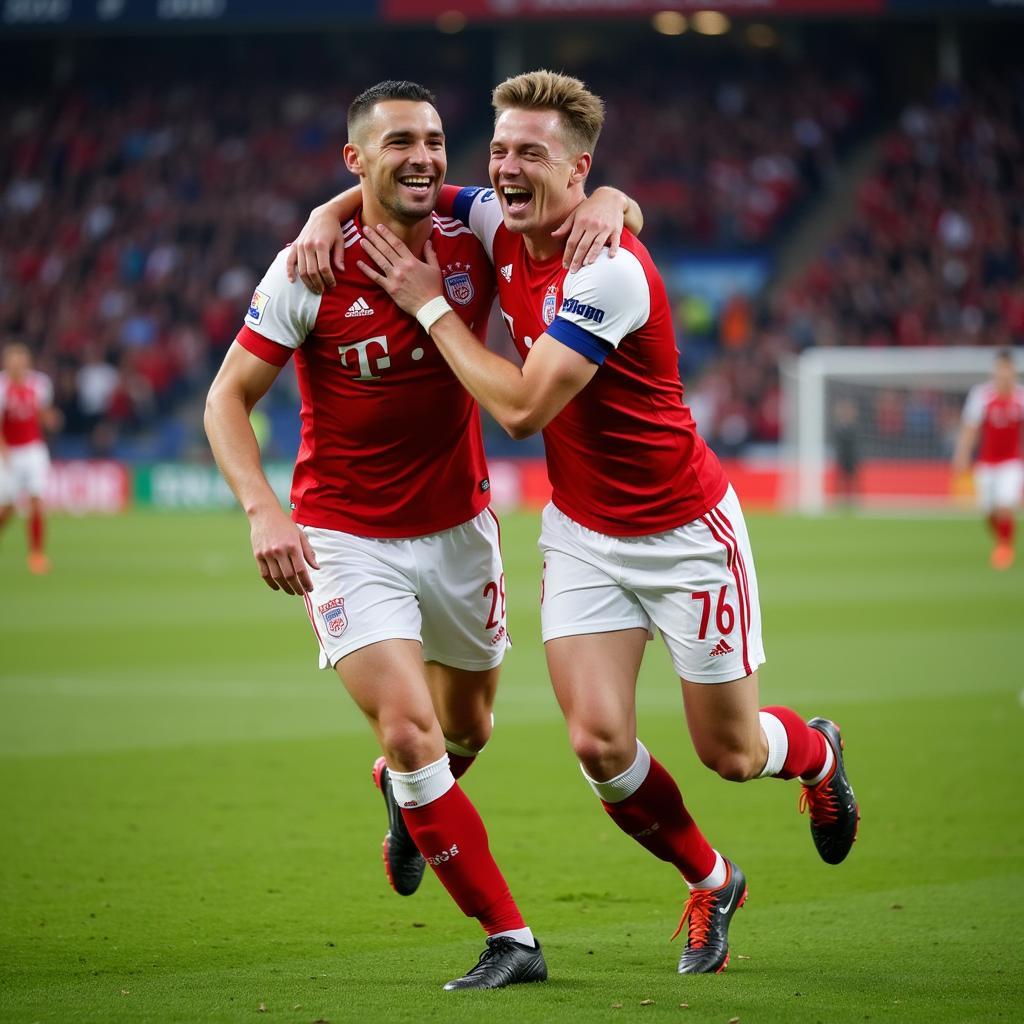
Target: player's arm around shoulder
602	302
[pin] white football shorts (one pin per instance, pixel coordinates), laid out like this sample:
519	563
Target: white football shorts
446	590
999	484
695	585
24	472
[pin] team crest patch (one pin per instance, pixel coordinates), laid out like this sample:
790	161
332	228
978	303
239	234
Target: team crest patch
333	614
257	304
458	284
547	311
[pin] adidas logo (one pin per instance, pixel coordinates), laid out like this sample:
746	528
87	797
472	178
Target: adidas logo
719	649
506	272
359	308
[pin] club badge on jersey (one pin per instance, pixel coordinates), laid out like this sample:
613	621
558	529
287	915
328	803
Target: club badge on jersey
333	614
458	284
257	304
550	304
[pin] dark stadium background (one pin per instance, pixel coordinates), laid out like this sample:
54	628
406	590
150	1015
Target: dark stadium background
794	168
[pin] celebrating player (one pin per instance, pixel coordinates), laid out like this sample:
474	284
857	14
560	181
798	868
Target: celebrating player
26	397
994	412
390	506
643	530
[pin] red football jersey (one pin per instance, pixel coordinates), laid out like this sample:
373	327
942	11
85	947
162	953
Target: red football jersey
999	418
390	443
20	406
624	456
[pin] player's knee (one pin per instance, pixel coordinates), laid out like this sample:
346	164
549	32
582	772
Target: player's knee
473	736
407	744
731	765
602	755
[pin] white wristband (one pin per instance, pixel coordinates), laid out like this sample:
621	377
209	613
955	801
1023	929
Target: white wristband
432	311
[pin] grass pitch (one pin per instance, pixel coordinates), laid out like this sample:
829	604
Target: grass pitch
189	831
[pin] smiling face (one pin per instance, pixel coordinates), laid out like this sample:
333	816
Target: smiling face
534	171
398	152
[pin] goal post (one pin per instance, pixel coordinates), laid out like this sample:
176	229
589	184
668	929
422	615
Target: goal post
874	426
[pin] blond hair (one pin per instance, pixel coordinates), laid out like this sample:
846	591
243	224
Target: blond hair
581	111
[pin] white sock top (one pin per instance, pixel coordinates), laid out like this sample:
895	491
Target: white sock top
615	790
423	786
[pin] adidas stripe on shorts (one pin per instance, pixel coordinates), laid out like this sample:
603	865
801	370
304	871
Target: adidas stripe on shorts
695	585
445	590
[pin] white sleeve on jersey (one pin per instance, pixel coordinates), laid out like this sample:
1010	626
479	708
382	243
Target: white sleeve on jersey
3	392
601	304
479	208
281	310
44	390
974	407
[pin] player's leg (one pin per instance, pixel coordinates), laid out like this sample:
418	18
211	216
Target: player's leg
462	604
1007	482
460	593
986	489
710	619
36	526
594	677
387	682
463	701
34	467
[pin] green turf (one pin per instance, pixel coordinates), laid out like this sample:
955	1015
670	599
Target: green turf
189	831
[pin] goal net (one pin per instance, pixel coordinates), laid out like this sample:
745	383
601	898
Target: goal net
875	427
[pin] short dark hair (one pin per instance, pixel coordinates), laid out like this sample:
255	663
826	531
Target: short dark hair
364	103
1004	355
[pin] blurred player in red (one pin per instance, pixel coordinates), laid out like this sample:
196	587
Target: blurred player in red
992	420
26	410
390	509
644	531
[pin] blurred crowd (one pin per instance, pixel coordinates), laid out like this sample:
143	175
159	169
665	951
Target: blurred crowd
722	155
137	218
934	255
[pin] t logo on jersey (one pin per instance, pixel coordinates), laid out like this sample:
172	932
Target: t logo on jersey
362	351
458	284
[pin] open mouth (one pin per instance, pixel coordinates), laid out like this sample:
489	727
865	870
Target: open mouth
418	183
516	197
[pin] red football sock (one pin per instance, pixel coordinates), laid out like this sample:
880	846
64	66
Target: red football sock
459	763
450	835
806	754
1004	527
35	531
657	819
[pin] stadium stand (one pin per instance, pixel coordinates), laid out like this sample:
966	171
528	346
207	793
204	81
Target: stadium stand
137	218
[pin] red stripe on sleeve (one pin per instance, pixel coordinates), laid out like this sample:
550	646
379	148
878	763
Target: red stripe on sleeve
446	199
263	348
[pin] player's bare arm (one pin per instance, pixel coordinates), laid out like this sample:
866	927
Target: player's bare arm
965	442
281	549
597	222
523	400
